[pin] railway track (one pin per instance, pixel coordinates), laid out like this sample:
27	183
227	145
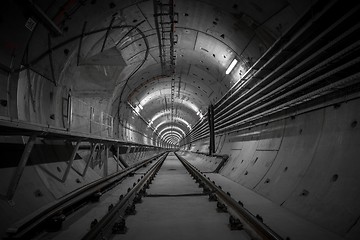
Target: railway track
168	199
91	201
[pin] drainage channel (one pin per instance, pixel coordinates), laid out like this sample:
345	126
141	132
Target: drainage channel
177	206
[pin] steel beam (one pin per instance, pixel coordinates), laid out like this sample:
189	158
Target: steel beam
80	43
51	61
21	167
48	23
71	160
107	33
211	129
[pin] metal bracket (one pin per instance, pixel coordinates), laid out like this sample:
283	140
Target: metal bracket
19	170
211	129
92	151
80	43
71	160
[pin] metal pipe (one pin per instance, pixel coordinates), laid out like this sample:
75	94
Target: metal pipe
322	77
261	87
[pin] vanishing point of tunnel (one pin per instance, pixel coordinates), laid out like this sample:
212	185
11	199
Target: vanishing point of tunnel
180	119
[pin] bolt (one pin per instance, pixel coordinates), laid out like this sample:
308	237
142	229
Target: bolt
130	210
212	197
259	218
55	223
235	223
137	198
96	197
93	223
3	102
119	226
221	207
111	206
206	189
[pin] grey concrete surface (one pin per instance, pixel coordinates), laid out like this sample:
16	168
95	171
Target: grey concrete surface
281	220
178	218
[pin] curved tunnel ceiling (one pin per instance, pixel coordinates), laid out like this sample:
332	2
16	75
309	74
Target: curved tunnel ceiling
167	59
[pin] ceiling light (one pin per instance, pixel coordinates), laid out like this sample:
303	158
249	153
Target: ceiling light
231	67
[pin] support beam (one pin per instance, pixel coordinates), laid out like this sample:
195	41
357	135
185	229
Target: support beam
106	161
71	160
80	44
121	160
211	129
92	151
107	34
51	61
41	15
21	167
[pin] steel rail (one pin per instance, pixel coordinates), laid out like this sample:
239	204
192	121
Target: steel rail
255	224
24	228
105	223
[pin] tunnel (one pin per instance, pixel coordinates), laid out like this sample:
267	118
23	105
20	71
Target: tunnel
108	102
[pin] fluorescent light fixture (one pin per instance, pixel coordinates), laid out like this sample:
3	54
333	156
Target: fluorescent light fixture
150	123
175	118
231	67
137	109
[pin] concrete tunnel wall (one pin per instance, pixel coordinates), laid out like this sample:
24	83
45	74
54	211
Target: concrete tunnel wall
307	164
37	101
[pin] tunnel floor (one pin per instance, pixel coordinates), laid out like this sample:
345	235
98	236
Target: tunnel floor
175	208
